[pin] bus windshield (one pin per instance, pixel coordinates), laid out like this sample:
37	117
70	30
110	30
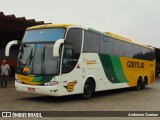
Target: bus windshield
44	35
37	59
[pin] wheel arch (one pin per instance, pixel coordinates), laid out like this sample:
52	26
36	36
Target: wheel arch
92	78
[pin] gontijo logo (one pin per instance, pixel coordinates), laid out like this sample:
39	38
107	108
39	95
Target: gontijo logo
70	86
132	64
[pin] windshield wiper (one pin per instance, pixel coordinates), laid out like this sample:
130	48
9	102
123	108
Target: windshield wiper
28	59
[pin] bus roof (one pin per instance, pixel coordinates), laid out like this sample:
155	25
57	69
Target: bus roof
113	35
119	37
109	34
50	26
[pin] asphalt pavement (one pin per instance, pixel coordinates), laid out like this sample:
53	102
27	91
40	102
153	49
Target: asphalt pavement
126	99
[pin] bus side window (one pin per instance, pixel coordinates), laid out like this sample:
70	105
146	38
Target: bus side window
67	65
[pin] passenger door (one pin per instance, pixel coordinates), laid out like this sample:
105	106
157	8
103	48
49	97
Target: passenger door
71	74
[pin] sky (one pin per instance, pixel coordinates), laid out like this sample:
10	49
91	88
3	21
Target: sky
138	20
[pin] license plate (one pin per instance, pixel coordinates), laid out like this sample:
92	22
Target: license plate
31	89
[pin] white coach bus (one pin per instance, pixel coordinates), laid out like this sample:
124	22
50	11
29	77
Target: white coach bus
66	59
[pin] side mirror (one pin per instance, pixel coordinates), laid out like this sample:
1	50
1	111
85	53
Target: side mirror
56	47
7	49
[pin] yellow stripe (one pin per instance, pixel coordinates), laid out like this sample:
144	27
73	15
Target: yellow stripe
27	79
91	62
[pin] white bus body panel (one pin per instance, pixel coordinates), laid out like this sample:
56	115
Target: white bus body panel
89	65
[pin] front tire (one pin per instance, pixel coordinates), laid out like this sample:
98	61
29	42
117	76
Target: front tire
88	89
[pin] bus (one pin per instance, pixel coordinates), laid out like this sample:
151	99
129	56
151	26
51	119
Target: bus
67	59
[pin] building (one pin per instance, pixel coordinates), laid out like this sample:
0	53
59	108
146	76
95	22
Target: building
13	28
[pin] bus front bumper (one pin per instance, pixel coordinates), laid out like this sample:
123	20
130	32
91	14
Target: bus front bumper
45	90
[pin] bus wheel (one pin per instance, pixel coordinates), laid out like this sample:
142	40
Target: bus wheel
88	89
139	84
144	83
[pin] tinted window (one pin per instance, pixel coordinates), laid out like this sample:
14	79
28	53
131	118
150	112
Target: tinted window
137	53
91	42
74	37
72	49
106	45
128	49
67	60
147	54
118	47
151	54
140	52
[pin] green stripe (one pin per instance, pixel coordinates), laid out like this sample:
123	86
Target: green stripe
37	79
113	68
108	68
42	79
117	66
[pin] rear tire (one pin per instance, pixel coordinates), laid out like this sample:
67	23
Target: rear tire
88	89
139	84
144	83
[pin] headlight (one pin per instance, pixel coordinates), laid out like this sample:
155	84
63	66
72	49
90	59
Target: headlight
18	81
51	83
